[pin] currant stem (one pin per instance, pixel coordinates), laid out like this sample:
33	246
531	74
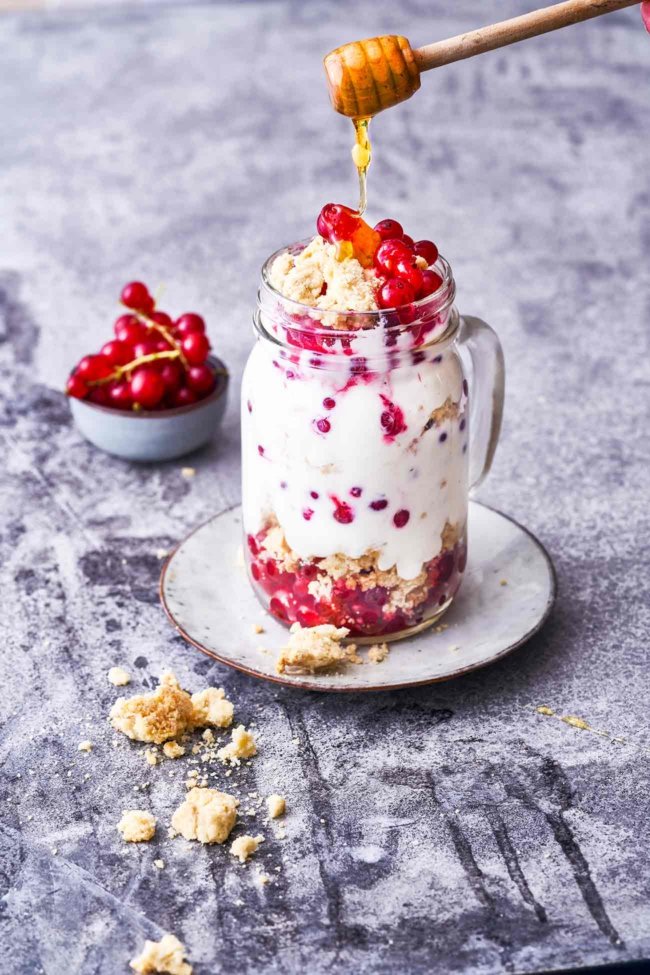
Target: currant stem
130	366
140	315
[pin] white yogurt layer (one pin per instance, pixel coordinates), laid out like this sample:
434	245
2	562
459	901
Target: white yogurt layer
296	471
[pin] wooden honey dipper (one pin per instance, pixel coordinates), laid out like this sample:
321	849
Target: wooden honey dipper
367	76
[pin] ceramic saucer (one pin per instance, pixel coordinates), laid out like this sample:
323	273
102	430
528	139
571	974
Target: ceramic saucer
507	593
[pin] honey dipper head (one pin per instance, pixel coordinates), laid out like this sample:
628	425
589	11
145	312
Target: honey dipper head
365	77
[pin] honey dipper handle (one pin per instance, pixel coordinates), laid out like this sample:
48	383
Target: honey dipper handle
516	29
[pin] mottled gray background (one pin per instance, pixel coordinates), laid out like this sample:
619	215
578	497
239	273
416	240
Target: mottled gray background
448	829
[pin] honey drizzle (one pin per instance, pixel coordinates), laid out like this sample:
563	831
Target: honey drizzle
362	156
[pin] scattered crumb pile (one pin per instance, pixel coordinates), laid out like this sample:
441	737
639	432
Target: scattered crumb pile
206	815
166	956
244	846
276	806
241	745
169	712
212	708
119	676
315	648
137	826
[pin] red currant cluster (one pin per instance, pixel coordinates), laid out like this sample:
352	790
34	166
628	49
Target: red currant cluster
391	252
153	363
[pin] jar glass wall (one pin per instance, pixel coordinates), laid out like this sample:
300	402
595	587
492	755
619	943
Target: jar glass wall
355	434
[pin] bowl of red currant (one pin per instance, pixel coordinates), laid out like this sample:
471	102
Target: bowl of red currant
154	391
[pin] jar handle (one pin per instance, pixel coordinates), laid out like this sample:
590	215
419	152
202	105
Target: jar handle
487	388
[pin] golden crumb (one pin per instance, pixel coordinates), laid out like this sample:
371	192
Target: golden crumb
85	746
166	713
503	582
241	745
151	756
244	846
159	864
164	956
263	878
542	709
378	653
206	815
188	471
161	553
171	749
258	628
118	676
576	722
211	707
315	648
276	805
137	826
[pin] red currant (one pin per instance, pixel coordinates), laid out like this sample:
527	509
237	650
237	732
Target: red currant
431	282
389	229
389	253
200	379
119	396
76	387
395	293
189	322
128	329
195	348
337	222
136	295
171	375
146	347
118	353
410	243
183	397
98	395
162	318
428	250
94	367
412	275
147	387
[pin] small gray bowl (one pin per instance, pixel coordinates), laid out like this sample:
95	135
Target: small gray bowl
152	435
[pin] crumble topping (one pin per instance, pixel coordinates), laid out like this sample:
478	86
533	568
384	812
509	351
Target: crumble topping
242	745
137	826
211	707
169	712
317	277
85	746
206	815
276	805
244	846
315	648
165	956
378	653
118	676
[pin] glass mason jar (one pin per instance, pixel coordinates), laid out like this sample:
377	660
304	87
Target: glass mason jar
358	460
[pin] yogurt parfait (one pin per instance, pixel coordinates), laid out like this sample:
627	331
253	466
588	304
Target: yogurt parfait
355	432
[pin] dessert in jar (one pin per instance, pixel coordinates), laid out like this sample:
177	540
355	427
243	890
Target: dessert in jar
355	430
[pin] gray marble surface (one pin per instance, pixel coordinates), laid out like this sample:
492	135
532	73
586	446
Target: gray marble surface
448	829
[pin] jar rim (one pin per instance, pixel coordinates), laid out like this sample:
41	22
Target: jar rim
387	318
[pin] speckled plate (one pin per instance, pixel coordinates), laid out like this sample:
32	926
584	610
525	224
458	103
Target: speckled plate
507	593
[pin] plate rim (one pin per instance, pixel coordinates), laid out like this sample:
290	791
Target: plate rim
311	685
